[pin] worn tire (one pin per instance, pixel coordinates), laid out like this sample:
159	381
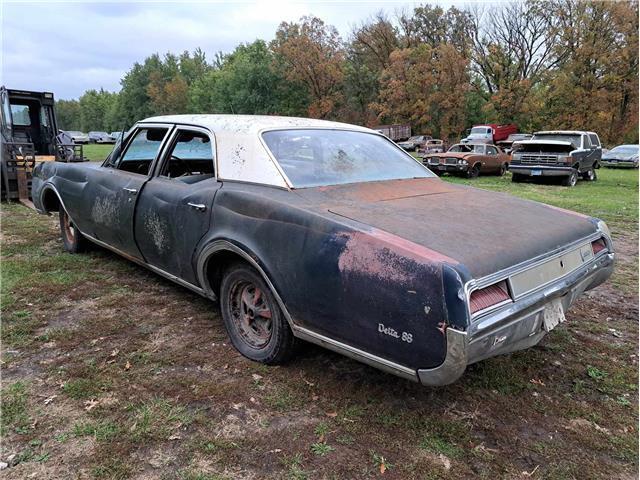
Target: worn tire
72	239
503	169
570	180
517	178
590	175
474	172
261	339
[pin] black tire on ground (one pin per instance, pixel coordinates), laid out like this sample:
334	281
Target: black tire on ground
590	175
517	178
570	180
503	169
474	172
253	319
73	240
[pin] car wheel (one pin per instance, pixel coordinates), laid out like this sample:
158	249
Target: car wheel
570	180
474	172
73	240
517	178
503	169
253	319
590	175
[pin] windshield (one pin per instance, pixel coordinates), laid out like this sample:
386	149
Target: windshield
316	157
627	149
482	130
466	148
559	137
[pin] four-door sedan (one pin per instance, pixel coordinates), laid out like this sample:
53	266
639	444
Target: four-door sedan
330	233
622	156
469	159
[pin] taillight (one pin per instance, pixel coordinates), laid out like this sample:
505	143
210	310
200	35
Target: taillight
488	297
598	246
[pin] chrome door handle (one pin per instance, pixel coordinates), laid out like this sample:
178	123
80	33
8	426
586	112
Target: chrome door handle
132	191
198	206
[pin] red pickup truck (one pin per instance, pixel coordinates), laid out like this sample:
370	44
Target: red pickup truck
490	133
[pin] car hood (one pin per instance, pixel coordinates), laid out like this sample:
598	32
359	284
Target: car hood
454	154
485	231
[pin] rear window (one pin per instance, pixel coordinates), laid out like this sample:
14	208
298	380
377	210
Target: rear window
317	157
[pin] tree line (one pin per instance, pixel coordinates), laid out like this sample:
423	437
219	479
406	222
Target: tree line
557	64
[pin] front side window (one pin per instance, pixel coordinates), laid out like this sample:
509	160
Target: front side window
20	114
191	156
142	150
317	157
594	139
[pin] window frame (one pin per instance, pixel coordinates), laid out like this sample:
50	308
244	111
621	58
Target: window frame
170	144
131	135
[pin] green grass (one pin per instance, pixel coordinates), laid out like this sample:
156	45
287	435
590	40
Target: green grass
96	152
14	407
613	197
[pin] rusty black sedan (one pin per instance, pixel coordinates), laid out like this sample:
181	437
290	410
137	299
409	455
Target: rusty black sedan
307	230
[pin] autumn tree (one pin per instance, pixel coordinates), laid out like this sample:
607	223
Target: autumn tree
427	87
311	53
596	84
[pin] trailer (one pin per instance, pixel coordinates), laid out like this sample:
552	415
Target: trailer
394	132
29	134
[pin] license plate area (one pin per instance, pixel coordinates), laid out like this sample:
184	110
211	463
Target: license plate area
536	172
553	315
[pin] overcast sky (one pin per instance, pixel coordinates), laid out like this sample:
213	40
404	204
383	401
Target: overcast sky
69	47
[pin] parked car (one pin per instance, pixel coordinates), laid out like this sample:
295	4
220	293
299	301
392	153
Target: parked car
506	145
561	154
101	137
327	232
413	143
431	146
469	160
621	156
78	137
394	132
116	136
491	133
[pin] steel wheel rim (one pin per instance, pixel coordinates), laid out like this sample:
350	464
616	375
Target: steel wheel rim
251	313
68	227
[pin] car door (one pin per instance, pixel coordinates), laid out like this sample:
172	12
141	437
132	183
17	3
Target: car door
492	160
174	208
110	196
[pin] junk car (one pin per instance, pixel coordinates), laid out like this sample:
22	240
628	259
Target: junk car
330	233
622	156
469	159
566	155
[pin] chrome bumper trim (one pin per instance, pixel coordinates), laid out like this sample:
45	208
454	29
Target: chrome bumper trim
516	326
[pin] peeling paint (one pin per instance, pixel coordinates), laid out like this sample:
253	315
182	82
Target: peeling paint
157	229
104	210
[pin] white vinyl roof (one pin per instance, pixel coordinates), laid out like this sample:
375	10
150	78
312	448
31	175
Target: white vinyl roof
240	153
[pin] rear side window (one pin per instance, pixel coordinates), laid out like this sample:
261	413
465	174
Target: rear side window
191	155
492	151
142	150
594	139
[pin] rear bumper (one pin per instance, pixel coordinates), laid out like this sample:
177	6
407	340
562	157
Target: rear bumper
545	170
515	326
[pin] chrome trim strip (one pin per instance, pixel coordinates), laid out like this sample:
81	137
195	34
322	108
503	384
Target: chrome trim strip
162	273
355	353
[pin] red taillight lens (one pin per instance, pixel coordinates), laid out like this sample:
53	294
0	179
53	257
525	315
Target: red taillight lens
598	246
489	296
